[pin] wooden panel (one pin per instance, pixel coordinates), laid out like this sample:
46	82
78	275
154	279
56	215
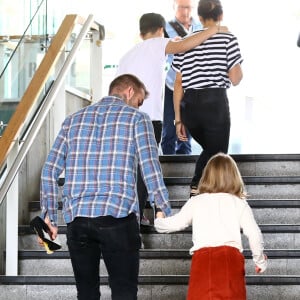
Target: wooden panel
37	84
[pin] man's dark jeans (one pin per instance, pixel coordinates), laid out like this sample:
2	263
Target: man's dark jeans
118	240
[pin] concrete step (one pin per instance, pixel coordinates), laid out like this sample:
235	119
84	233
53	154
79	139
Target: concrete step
34	206
249	164
167	287
275	237
266	211
273	185
263	187
154	262
266	216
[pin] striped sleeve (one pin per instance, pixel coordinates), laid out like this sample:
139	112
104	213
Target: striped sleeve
233	53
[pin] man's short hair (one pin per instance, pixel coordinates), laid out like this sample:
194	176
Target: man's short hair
123	81
151	22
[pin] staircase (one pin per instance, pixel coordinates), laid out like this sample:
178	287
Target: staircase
273	183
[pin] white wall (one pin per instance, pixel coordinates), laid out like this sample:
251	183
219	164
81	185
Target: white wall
265	106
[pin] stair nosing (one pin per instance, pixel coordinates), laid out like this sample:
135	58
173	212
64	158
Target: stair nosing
248	180
177	203
236	157
265	228
159	254
143	280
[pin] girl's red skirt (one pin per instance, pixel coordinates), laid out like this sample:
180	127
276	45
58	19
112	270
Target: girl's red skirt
217	273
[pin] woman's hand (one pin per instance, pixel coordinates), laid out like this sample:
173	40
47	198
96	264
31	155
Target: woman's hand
181	132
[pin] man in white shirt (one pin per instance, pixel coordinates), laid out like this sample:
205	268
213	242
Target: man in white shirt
147	61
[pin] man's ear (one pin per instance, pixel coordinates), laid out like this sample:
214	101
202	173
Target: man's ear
130	92
162	33
141	36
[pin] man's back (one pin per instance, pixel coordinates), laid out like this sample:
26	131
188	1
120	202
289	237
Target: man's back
99	148
147	61
101	145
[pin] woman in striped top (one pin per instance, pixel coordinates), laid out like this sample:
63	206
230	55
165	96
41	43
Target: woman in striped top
203	75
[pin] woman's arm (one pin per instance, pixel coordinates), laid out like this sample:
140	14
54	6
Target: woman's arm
177	97
193	40
235	74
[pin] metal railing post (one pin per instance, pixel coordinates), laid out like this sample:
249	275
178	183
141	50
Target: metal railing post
12	215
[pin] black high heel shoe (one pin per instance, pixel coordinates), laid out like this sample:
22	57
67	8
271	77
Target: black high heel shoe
42	229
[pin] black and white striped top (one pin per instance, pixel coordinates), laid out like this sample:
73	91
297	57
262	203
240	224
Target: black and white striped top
207	65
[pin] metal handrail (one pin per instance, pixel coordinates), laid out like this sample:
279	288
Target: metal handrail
38	122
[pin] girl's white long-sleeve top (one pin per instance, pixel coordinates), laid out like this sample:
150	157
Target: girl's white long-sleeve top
217	220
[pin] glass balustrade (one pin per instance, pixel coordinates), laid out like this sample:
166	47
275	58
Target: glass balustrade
21	55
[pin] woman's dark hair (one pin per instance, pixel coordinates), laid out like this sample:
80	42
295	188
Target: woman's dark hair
210	9
151	22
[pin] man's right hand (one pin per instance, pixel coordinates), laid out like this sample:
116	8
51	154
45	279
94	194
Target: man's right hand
223	29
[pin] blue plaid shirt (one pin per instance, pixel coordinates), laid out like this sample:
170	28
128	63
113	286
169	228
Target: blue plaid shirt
99	148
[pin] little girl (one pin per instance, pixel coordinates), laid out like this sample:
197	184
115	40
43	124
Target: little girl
217	216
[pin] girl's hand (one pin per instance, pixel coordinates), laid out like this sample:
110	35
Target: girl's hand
258	270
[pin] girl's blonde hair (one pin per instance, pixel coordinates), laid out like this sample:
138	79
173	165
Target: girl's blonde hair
221	175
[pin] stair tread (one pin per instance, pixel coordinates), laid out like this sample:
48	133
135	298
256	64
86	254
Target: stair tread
254	203
265	228
259	180
236	157
281	256
159	254
145	279
176	203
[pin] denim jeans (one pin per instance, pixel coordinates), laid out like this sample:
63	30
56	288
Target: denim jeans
118	241
205	112
170	144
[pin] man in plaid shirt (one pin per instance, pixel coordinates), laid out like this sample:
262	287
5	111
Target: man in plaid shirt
99	148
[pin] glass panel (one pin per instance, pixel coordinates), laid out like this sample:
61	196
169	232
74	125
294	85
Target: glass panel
79	75
21	55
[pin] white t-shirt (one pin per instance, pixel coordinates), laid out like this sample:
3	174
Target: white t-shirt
217	220
147	61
